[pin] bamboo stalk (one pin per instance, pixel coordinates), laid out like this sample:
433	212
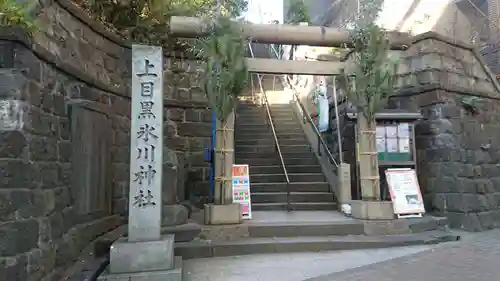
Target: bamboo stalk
368	159
224	159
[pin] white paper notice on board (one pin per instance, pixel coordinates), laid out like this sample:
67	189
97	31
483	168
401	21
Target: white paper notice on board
392	145
381	145
241	189
405	191
404	145
404	130
380	131
391	131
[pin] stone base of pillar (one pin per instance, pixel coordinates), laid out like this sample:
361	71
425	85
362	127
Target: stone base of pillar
143	261
372	210
344	184
222	214
174	215
175	274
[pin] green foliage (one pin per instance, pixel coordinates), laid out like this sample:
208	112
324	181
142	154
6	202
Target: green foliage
15	13
297	13
226	73
372	80
146	21
471	103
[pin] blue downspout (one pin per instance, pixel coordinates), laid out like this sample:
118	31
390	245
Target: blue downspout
212	154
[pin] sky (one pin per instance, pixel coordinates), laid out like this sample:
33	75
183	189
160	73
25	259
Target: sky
264	11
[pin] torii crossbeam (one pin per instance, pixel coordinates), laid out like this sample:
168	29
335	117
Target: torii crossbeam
283	34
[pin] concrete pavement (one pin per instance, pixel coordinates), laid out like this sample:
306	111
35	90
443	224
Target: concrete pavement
474	258
289	267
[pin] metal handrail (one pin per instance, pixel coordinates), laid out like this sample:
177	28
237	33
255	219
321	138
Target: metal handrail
306	113
268	110
316	131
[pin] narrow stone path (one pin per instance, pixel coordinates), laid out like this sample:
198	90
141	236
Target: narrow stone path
290	266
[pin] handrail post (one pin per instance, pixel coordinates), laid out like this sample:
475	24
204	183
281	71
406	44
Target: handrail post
288	197
339	133
319	145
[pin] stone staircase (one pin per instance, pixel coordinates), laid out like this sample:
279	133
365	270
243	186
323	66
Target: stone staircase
255	145
314	226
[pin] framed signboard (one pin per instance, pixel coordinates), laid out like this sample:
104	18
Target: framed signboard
241	190
405	192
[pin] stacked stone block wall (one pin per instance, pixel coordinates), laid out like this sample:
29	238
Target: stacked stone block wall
457	148
74	59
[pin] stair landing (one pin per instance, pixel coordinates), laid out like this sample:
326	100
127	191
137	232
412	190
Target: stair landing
305	231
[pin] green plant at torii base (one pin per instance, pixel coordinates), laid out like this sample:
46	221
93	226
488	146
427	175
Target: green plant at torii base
226	73
368	85
226	76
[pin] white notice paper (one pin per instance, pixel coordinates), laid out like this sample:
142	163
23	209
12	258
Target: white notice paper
380	145
404	145
391	131
404	130
392	145
405	191
380	132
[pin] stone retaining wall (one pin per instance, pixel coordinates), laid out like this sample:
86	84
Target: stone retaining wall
76	62
458	158
457	150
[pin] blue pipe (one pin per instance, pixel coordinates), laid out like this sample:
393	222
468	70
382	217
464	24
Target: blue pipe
212	152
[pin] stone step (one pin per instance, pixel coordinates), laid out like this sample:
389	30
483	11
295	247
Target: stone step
304	154
263	119
289	168
293	186
307	229
276	161
263	135
300	177
249	246
264	123
259	149
277	107
262	115
295	206
248	131
270	142
281	197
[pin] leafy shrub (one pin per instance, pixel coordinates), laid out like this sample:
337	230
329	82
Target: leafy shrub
13	13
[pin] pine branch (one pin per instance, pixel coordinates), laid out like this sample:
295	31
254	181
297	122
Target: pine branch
373	78
226	73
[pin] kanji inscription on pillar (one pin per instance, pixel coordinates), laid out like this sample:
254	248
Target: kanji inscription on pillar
146	148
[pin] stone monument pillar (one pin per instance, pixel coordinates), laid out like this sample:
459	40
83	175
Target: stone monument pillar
145	254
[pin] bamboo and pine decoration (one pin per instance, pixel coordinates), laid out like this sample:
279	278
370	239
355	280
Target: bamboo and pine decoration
226	76
368	86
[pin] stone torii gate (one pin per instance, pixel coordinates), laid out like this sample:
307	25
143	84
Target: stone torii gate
283	34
